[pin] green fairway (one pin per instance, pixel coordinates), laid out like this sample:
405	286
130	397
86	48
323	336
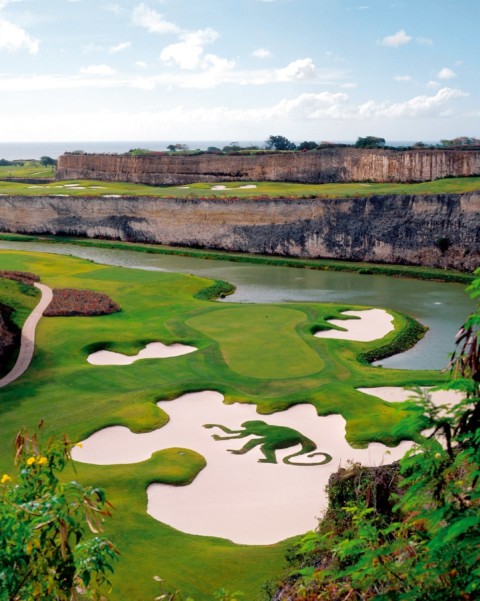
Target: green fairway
452	185
261	354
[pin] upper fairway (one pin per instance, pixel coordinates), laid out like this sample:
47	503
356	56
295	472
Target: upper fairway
253	190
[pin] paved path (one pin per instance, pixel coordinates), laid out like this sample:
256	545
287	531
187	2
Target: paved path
27	341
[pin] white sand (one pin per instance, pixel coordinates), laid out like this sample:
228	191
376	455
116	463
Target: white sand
112	196
154	350
373	324
219	187
397	394
236	497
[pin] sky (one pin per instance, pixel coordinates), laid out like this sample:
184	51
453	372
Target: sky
239	70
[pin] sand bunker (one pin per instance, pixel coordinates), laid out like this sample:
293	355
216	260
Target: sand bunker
248	186
154	350
235	496
396	394
373	324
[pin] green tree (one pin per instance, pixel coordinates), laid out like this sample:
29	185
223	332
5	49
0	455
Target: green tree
307	145
279	143
45	550
47	161
370	142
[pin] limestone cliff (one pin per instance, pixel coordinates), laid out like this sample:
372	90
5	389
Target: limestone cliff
321	166
434	230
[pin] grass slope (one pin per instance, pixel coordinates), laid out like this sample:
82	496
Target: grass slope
241	353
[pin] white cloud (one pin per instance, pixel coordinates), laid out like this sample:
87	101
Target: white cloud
415	107
141	64
119	47
424	41
188	54
14	38
301	69
397	39
97	70
433	84
402	78
446	73
150	19
261	53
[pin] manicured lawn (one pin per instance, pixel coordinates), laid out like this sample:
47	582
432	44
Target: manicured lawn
29	169
265	355
235	189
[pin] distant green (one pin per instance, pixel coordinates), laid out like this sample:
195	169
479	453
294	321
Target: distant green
452	185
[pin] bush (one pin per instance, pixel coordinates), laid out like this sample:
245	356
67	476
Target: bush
45	552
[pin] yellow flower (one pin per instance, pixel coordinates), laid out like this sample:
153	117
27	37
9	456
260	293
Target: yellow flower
31	460
79	445
5	478
42	461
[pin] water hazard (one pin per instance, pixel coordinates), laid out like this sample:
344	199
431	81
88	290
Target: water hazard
441	307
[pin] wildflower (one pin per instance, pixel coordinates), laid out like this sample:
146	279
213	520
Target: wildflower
5	478
31	460
79	445
42	461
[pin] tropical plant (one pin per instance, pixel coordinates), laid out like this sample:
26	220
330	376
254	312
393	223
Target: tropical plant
45	552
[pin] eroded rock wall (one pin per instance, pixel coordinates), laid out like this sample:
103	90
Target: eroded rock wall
327	165
435	230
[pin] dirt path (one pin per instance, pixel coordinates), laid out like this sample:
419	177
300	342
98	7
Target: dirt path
27	342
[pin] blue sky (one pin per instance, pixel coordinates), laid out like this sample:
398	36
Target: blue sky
239	69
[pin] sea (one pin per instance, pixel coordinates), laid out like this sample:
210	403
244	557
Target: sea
34	150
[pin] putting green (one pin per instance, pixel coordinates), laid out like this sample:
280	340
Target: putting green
260	342
263	355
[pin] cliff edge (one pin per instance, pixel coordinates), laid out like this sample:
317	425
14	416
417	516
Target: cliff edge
314	167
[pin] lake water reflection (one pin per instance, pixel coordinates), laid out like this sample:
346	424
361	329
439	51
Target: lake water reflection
442	307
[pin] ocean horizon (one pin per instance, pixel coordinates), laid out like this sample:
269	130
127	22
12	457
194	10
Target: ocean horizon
34	150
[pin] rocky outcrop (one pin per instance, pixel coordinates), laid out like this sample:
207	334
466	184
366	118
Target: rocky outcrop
320	166
435	230
9	338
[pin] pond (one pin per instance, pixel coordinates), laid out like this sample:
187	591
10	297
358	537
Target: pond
440	306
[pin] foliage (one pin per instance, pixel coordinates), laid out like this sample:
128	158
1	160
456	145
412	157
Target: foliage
306	145
370	142
45	552
461	141
47	161
136	152
428	548
175	147
74	302
279	143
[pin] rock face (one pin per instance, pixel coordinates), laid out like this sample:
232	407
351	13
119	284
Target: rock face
322	166
9	337
434	230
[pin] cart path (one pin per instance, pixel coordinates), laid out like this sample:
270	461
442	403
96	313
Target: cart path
27	341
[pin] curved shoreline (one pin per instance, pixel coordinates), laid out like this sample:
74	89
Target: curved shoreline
27	340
